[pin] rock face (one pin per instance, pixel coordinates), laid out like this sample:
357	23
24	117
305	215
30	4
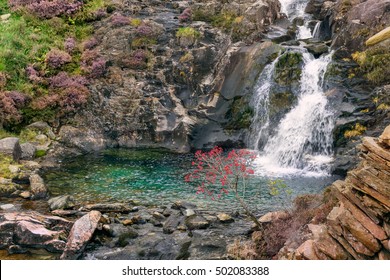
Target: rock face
354	21
173	99
10	146
358	227
28	151
33	230
80	234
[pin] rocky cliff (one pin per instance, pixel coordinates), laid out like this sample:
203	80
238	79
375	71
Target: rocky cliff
357	78
358	227
176	69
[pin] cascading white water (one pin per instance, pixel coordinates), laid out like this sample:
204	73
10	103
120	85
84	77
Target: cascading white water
260	103
294	9
302	142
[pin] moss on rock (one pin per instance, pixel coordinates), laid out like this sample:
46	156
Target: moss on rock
240	114
288	68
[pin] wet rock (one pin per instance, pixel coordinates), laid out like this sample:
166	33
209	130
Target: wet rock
189	212
108	207
84	139
317	49
7	207
31	229
211	246
171	224
65	213
158	216
385	136
80	234
314	7
225	218
28	151
16	249
178	205
10	146
273	216
61	202
127	222
38	187
196	222
25	194
123	238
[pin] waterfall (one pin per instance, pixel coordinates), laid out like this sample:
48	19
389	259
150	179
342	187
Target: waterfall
302	140
316	31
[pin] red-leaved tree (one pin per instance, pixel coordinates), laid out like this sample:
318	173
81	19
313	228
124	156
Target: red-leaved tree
217	174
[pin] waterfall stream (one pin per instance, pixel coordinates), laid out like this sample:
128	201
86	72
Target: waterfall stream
301	143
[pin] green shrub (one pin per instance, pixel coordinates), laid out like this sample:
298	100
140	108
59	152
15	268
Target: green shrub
374	63
187	32
40	153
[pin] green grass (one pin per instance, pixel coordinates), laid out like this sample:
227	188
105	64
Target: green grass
5	134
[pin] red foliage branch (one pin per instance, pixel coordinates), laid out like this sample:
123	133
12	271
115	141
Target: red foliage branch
217	174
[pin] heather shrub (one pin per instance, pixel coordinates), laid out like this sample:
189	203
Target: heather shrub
144	30
118	20
47	9
55	58
90	43
64	80
10	103
73	97
93	64
98	68
137	59
3	80
66	94
70	45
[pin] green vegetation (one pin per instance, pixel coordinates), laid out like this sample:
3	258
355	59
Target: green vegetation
5	134
374	63
26	42
222	20
27	135
288	68
187	33
5	161
356	130
40	153
240	114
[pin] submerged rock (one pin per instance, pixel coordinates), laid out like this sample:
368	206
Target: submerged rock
80	234
108	207
225	218
61	202
38	187
196	222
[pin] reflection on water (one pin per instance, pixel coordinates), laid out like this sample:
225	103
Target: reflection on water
156	177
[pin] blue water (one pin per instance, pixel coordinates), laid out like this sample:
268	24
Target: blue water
156	177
